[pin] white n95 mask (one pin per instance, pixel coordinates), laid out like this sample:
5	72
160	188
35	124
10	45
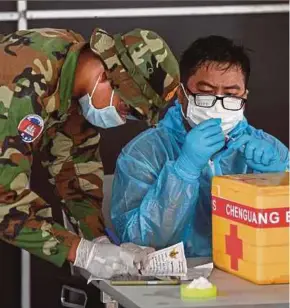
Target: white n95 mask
106	117
196	114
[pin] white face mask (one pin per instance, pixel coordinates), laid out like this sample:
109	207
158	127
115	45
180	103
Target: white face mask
106	117
196	114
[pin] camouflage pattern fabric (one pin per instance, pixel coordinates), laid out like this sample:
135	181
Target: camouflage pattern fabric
141	67
36	80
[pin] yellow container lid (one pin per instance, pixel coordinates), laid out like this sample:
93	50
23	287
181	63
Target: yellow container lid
197	294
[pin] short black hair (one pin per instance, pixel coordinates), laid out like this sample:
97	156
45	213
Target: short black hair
214	48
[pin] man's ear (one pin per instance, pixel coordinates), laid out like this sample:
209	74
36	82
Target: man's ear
103	77
180	94
246	94
182	99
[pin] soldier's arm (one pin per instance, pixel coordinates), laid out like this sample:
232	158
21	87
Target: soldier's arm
26	219
26	86
77	172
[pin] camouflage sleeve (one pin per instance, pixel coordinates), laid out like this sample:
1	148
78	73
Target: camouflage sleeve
26	219
77	172
28	76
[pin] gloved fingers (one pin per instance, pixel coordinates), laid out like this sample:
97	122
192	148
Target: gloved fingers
272	167
144	257
258	154
139	254
127	257
143	264
148	250
141	257
213	131
240	143
218	146
267	157
215	139
269	162
208	123
128	266
256	167
133	271
249	150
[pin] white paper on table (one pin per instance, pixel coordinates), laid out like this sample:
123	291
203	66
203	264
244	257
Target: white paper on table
198	271
169	261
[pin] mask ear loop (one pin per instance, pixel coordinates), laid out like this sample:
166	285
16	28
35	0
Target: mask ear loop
111	99
182	86
95	86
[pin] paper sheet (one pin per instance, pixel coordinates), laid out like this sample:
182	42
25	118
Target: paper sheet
169	261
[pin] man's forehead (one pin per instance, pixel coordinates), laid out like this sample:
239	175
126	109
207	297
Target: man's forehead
222	74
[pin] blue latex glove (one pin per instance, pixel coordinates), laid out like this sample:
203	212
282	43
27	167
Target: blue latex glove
201	143
260	155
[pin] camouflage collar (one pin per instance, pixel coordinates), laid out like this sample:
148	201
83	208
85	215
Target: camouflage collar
67	77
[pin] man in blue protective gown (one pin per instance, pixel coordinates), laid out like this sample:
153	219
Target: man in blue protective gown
162	185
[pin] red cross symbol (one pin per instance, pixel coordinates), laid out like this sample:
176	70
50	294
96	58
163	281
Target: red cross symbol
234	247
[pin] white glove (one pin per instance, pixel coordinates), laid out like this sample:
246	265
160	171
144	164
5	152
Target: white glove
140	252
105	260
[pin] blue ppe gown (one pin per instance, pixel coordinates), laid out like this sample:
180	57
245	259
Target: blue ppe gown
155	204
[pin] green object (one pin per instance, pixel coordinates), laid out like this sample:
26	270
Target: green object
198	294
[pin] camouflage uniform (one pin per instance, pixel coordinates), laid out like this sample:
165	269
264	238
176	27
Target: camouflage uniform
38	114
141	67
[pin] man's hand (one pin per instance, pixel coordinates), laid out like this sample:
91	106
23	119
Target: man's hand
260	154
141	253
105	260
201	143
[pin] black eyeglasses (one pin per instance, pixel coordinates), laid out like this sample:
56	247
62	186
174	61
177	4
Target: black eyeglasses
233	103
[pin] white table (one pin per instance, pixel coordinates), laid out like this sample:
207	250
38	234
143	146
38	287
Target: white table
232	292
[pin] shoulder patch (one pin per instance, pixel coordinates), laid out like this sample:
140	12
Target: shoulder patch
30	127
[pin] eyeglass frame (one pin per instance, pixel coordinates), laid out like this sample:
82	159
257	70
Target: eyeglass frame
220	98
